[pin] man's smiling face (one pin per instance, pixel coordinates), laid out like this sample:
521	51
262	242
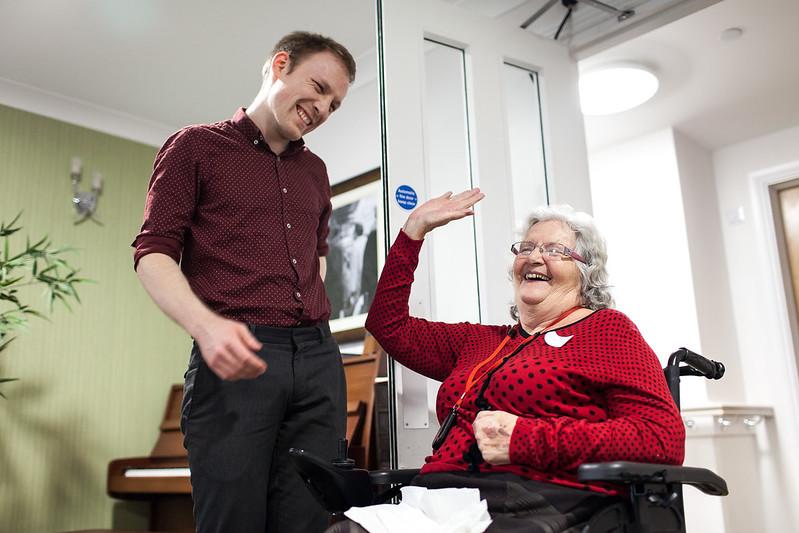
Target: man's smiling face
304	94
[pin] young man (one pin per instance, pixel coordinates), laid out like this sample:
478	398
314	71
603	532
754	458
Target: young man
243	206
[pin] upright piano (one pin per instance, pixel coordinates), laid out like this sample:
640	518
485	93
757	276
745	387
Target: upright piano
163	477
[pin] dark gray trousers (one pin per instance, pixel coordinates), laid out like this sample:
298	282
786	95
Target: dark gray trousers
238	433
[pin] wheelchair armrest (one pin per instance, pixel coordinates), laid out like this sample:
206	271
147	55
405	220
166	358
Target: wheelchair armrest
337	489
627	472
393	477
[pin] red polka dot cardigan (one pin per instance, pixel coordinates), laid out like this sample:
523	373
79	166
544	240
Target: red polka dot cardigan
600	397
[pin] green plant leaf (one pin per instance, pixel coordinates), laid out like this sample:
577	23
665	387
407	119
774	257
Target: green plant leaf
41	243
6	343
11	281
64	301
10	229
39	263
48	269
73	292
9	296
34	312
6	380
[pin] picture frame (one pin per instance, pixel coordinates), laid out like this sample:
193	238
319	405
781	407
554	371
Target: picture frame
356	253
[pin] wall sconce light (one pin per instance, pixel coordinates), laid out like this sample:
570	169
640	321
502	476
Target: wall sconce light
85	202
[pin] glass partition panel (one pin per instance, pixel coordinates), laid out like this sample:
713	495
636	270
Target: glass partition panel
427	147
453	266
525	141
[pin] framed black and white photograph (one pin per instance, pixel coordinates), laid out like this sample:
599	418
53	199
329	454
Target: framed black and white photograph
356	252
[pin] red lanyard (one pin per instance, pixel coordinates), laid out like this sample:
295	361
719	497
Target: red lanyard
471	380
443	431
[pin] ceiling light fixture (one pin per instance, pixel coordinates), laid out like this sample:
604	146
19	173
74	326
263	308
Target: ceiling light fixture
571	5
730	34
616	88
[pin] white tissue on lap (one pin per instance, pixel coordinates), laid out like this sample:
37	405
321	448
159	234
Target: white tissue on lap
426	511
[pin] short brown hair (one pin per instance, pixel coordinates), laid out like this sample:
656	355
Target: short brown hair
301	44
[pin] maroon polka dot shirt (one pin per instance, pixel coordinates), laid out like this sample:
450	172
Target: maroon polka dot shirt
600	397
247	226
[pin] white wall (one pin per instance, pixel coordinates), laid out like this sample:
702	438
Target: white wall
711	284
655	203
692	260
638	206
767	355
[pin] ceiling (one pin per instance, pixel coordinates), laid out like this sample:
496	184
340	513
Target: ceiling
715	91
169	62
176	62
589	28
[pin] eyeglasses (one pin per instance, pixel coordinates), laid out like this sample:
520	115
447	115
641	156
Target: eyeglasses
550	251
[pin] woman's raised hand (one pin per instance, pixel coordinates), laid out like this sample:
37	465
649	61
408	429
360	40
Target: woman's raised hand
440	211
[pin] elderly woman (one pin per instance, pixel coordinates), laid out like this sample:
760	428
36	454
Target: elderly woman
522	406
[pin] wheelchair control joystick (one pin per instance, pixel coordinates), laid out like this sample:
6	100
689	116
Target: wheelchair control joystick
341	460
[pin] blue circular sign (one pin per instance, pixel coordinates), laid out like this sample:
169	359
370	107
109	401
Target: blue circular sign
406	197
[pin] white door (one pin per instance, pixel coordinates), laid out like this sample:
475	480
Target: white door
469	101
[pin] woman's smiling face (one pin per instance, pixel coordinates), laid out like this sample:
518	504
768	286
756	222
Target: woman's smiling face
553	282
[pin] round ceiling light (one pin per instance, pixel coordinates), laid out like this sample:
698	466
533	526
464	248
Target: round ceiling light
613	89
730	34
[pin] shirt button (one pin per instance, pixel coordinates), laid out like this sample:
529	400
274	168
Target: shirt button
293	260
288	226
297	294
285	190
255	141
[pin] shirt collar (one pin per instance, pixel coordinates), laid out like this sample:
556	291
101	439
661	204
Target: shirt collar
517	329
247	127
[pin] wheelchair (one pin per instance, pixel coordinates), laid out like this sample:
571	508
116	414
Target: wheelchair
654	502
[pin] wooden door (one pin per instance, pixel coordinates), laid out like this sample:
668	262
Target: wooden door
787	219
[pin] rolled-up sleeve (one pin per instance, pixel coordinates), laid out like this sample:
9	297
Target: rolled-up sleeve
171	198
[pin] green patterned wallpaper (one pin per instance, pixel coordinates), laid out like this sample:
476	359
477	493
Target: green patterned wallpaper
94	380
